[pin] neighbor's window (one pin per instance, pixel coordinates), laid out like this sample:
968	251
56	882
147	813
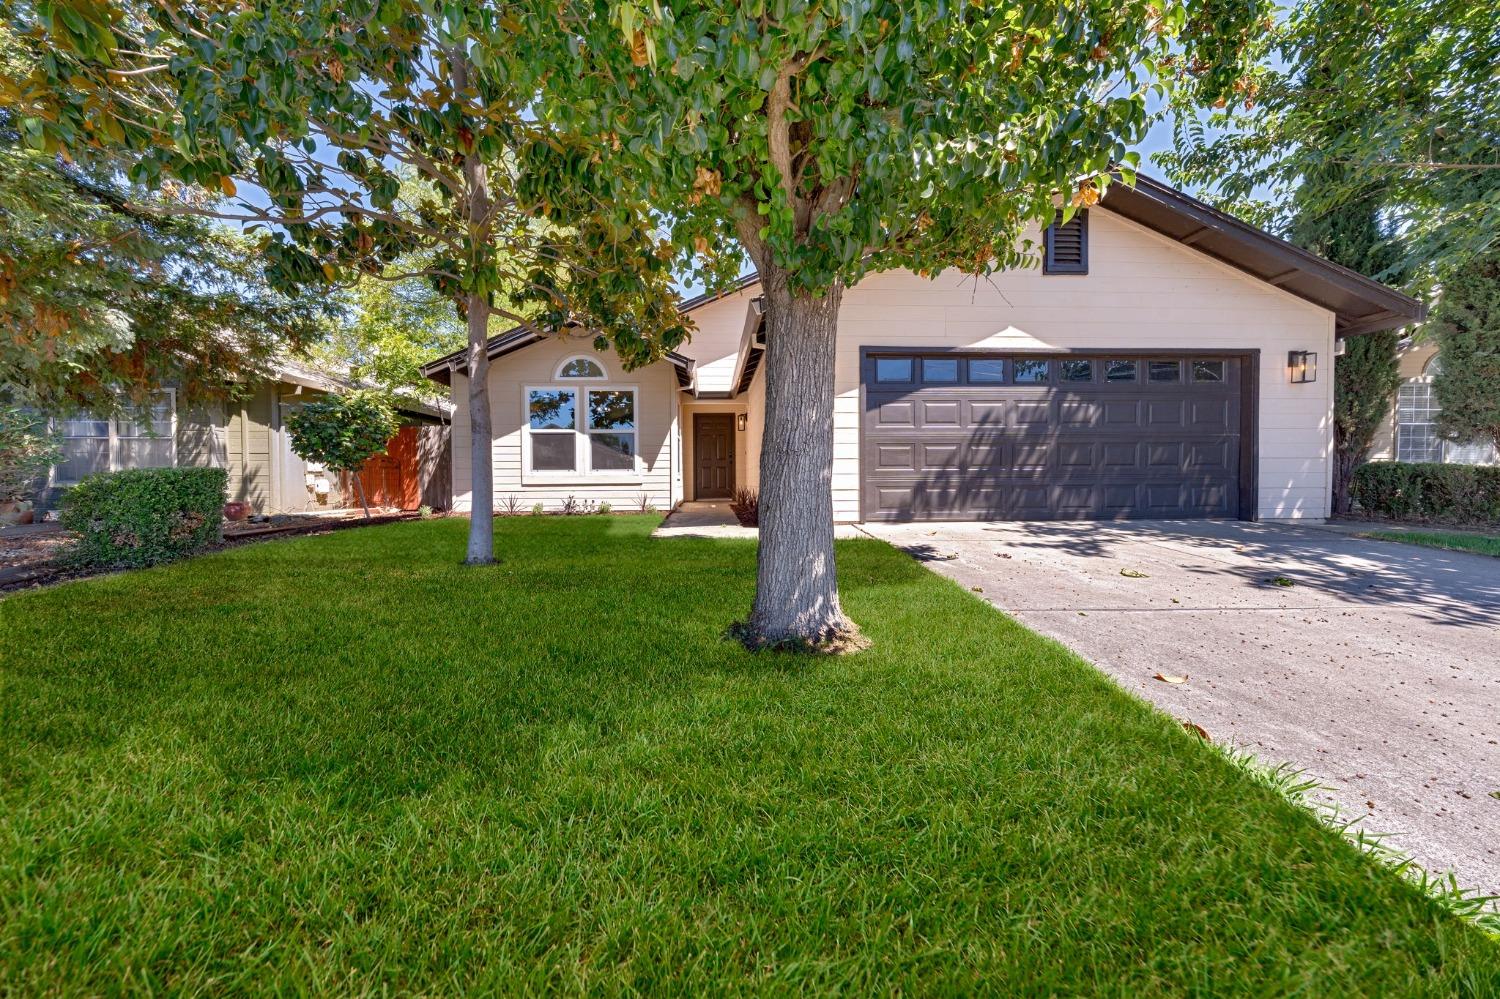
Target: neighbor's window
1030	372
580	367
1416	423
600	436
134	440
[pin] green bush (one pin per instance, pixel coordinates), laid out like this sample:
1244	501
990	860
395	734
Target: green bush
143	516
1459	494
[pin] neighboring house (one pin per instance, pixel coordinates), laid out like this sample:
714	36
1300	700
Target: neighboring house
248	437
1166	361
1409	432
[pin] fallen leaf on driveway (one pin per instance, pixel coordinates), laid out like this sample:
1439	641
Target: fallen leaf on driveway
1134	574
1197	730
1164	678
1495	794
1002	555
977	589
1280	581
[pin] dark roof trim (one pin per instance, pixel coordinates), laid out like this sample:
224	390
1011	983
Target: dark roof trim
1360	304
752	348
441	370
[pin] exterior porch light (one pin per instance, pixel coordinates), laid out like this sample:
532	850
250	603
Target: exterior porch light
741	422
1303	366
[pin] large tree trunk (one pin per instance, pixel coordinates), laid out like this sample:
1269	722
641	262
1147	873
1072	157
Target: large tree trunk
796	592
1345	461
482	488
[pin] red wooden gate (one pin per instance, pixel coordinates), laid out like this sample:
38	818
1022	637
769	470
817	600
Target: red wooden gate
392	479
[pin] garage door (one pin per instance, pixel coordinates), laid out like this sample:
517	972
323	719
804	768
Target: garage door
971	437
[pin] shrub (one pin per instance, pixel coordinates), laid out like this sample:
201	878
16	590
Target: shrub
344	432
746	507
143	516
605	508
1460	494
536	509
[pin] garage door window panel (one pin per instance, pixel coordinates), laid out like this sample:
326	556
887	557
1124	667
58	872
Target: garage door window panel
1077	371
940	370
1163	372
893	370
1030	371
987	371
1116	372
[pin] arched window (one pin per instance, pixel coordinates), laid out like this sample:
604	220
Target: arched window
581	367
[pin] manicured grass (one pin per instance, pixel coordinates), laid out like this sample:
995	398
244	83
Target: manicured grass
1453	540
350	764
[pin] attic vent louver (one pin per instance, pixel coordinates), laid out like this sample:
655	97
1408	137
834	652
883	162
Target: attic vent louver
1066	247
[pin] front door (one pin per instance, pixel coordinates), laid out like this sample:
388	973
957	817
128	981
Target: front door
713	456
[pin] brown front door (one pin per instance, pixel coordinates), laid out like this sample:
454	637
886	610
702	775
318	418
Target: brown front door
713	455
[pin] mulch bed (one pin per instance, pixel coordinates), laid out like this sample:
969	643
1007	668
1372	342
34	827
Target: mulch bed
32	560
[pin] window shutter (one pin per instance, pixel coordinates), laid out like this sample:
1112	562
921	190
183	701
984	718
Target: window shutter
1066	247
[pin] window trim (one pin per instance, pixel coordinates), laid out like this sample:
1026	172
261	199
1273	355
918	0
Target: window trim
582	471
114	437
557	372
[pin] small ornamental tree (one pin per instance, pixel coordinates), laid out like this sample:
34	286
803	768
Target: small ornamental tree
1466	328
828	139
344	432
330	113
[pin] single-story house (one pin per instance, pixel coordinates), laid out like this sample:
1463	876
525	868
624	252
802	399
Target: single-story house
1409	431
1166	360
248	437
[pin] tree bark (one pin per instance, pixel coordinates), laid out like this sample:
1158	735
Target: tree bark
359	487
796	585
476	214
482	487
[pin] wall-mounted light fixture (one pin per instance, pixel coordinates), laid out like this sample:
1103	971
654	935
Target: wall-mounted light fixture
741	422
1302	365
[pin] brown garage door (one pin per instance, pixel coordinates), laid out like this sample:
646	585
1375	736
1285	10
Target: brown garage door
1020	437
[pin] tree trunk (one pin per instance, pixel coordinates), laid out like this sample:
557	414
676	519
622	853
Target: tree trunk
359	487
1344	464
482	488
477	305
796	585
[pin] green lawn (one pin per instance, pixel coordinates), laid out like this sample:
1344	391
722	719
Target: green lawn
349	764
1458	541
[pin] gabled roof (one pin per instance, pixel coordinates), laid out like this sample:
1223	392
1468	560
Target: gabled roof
1359	304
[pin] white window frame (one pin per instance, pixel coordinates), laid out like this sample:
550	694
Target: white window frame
582	472
603	376
113	449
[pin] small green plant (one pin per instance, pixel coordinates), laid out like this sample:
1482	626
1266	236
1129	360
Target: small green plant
537	509
605	508
27	449
144	516
745	505
424	511
344	432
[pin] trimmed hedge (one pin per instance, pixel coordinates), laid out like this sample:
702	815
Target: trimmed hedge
144	516
1460	494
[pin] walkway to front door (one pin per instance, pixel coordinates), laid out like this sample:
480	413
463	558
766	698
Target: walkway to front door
713	455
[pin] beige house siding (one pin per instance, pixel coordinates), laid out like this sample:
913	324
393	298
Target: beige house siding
657	418
201	437
1143	291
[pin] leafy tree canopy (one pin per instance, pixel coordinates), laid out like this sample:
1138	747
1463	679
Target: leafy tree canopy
105	296
838	139
1399	98
1466	327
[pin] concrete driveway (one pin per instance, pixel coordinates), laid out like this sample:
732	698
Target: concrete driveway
1377	670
